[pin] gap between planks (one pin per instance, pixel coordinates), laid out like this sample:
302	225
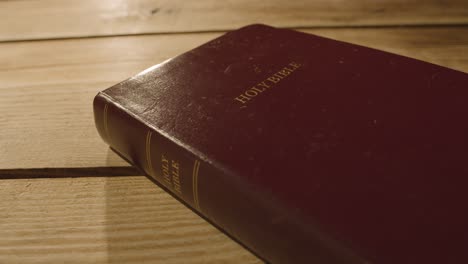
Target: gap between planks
34	173
299	27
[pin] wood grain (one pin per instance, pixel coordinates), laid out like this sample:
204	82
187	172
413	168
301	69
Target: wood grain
30	19
105	220
47	87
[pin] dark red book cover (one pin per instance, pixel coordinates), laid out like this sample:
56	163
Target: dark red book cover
303	148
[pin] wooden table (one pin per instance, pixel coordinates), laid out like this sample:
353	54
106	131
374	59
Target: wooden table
64	196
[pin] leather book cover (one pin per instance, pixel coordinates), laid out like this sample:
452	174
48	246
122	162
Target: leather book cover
303	148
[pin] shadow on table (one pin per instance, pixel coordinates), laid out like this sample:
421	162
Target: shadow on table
146	224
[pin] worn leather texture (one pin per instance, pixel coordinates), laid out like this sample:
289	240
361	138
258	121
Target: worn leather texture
304	148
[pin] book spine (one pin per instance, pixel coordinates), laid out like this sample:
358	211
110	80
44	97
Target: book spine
232	205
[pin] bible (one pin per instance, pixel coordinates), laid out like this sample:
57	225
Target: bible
303	148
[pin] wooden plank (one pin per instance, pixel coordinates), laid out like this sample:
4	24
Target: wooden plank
47	89
47	86
112	220
31	19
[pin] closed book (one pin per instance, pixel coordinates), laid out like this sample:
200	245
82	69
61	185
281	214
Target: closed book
303	148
